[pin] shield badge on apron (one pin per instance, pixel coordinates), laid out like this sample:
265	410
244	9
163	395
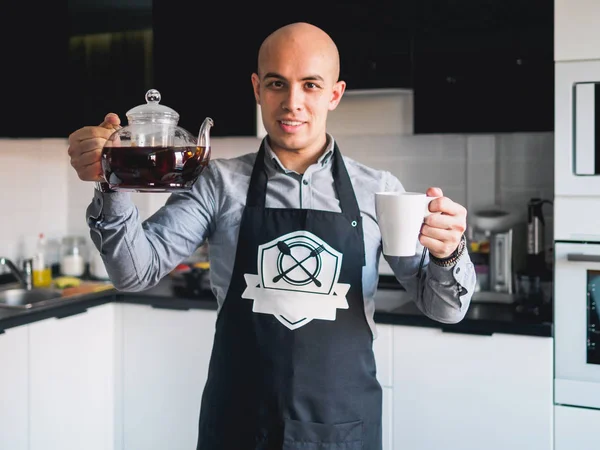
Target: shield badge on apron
297	280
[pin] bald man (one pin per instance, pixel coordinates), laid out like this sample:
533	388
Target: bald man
294	253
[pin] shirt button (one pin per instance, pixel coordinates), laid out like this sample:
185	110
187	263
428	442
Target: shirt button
305	182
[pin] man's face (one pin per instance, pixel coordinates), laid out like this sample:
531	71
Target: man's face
296	89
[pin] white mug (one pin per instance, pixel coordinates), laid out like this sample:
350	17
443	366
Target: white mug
400	216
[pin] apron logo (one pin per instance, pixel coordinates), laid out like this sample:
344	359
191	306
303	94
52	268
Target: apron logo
297	280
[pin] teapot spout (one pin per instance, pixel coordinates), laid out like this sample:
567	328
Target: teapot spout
204	134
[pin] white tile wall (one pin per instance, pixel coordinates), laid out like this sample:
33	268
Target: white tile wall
42	193
34	198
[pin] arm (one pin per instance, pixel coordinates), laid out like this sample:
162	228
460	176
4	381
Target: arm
441	293
138	255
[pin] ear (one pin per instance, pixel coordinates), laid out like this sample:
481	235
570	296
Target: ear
338	90
256	87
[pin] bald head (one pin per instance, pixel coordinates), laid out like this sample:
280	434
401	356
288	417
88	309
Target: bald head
300	40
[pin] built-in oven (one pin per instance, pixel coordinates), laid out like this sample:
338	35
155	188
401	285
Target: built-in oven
577	324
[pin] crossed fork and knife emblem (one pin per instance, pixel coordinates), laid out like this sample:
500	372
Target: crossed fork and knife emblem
286	250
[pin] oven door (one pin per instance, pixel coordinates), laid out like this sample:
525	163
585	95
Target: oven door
577	324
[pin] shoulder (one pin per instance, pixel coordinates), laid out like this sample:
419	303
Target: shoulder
240	163
224	169
373	179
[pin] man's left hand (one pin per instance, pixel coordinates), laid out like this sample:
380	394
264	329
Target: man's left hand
441	231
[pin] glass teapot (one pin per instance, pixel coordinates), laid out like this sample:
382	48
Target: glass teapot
152	153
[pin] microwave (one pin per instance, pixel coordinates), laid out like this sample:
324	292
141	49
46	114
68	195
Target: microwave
577	151
577	128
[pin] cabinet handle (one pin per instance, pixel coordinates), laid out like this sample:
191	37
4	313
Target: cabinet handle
72	313
467	331
582	258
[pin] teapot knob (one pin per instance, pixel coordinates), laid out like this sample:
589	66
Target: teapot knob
152	96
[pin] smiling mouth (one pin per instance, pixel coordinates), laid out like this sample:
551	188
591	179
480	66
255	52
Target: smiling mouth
290	123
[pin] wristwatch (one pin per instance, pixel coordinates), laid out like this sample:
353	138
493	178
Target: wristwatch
103	186
450	261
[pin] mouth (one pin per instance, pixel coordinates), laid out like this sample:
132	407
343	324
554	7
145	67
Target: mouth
290	125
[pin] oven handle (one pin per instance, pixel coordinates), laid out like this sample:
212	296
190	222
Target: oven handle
583	258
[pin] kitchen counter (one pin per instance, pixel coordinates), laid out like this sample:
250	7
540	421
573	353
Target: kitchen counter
391	308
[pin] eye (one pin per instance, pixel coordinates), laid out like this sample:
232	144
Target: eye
277	84
312	86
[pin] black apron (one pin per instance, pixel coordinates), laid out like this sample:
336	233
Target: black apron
292	365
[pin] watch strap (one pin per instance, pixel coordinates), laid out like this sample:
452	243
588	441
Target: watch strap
451	260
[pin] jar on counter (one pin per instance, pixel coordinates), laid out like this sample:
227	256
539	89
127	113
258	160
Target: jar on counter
73	256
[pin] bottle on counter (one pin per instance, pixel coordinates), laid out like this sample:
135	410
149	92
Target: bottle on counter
73	256
42	273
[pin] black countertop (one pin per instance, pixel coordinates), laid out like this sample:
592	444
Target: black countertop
481	318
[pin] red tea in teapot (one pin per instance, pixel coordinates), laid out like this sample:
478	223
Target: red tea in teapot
153	169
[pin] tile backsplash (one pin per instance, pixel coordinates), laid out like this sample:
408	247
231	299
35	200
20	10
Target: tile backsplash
42	193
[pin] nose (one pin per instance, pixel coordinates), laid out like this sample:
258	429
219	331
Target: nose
294	100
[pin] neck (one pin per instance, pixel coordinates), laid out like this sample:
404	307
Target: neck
299	160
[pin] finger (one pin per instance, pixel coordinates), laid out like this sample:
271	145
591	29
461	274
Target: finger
87	158
446	222
111	122
447	206
440	234
86	133
434	192
90	173
89	145
439	249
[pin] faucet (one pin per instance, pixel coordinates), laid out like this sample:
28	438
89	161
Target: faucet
25	278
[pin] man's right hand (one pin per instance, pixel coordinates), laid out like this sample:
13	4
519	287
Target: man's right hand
85	147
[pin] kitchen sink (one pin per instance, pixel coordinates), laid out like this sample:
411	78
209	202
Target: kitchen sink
19	298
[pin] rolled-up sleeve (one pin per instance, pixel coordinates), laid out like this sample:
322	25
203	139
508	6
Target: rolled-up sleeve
441	293
445	292
136	254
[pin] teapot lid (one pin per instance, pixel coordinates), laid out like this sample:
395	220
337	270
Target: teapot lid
152	111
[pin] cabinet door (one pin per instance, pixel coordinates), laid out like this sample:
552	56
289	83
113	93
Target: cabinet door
455	391
165	366
387	419
503	84
72	381
204	55
576	428
14	344
383	349
482	67
577	29
42	54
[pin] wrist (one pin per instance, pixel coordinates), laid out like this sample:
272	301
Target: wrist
450	260
103	186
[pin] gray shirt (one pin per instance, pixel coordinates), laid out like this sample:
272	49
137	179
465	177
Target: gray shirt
138	255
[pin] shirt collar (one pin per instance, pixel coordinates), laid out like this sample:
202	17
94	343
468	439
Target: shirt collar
323	160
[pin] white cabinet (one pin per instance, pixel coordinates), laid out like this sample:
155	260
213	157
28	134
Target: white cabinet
383	349
468	392
576	30
14	397
71	389
387	419
166	355
576	428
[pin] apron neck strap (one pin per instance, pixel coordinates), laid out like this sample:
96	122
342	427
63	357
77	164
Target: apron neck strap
257	190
